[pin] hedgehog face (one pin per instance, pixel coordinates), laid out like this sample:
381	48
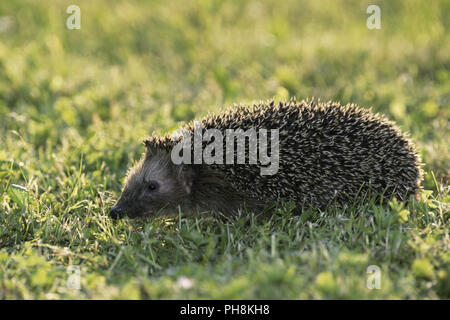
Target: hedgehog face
153	186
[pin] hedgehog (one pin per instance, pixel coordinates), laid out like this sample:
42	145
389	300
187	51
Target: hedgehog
326	153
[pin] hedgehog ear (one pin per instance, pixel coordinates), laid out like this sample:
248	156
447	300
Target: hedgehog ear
147	143
150	146
186	176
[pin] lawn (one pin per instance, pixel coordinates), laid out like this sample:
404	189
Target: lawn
76	104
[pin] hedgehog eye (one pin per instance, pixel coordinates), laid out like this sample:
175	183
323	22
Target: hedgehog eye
153	185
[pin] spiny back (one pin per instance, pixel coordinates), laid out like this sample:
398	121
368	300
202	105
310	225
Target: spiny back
327	152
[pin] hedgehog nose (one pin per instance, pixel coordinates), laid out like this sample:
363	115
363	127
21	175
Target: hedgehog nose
117	212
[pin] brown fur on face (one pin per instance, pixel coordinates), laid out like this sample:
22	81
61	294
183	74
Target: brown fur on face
189	188
153	185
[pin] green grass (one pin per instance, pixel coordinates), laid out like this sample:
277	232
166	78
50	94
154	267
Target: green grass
76	104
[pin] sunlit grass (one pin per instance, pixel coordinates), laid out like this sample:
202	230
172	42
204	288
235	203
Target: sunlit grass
76	104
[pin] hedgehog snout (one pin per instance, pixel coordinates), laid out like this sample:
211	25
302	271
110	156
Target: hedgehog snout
117	212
